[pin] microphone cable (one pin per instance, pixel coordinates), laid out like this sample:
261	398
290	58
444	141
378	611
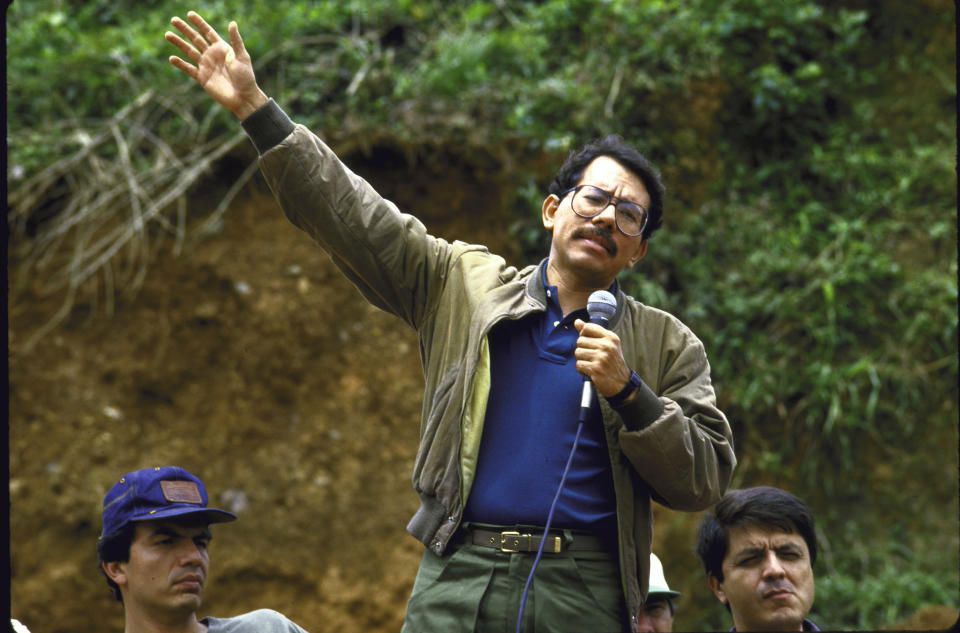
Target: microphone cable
546	529
601	307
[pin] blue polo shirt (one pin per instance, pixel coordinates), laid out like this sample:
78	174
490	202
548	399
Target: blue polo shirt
530	424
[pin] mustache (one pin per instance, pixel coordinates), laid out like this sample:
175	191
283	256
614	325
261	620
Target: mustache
599	233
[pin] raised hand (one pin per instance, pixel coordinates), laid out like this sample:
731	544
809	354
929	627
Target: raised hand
224	70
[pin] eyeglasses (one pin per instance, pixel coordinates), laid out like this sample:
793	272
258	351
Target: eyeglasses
589	201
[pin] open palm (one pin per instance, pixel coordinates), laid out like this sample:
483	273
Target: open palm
222	74
223	69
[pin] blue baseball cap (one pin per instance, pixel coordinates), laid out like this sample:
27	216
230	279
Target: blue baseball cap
160	492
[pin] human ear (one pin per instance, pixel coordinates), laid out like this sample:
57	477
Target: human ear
549	211
638	254
717	587
115	571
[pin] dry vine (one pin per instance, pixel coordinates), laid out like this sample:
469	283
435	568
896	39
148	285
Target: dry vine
120	183
119	190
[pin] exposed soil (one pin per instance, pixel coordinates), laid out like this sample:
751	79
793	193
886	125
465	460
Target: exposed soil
249	360
252	362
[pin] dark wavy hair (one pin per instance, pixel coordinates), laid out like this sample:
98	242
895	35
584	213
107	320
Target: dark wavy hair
763	506
571	172
113	548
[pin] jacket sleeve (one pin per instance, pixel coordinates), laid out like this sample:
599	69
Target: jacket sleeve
386	254
685	453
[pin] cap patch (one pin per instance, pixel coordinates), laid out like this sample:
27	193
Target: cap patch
181	492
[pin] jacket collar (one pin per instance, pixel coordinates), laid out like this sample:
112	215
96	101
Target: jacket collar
536	290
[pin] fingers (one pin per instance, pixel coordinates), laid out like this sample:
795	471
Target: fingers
599	356
184	66
188	50
201	41
194	49
592	331
195	41
205	29
236	41
596	344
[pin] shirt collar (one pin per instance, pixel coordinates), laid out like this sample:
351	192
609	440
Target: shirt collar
553	304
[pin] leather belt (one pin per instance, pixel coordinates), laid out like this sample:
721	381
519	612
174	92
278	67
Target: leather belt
517	540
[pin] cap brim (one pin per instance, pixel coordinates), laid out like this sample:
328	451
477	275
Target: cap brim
212	515
662	594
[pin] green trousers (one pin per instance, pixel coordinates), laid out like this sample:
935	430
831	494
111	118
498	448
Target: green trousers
477	589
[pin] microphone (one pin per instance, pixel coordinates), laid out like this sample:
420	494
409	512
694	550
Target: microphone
601	306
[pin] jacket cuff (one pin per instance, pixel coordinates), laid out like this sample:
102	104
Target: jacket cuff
267	126
641	410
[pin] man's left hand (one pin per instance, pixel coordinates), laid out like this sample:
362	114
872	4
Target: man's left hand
600	358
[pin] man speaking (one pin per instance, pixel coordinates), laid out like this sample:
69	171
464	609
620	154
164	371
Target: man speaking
504	353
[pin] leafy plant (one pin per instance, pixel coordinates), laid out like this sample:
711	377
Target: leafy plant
808	149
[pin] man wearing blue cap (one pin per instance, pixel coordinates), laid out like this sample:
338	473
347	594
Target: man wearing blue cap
153	552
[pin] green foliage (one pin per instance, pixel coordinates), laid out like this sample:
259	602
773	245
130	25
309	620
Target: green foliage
799	275
808	149
877	587
822	277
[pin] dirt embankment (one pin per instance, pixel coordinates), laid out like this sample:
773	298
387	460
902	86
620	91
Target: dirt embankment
253	363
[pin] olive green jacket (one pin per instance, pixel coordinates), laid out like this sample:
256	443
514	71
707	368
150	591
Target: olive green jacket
452	294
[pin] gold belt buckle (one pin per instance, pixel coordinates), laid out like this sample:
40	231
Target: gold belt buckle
510	541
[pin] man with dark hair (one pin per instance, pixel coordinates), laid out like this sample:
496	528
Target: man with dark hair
656	614
758	547
153	552
505	353
571	173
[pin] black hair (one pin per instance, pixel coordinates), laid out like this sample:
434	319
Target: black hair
571	172
115	548
763	506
